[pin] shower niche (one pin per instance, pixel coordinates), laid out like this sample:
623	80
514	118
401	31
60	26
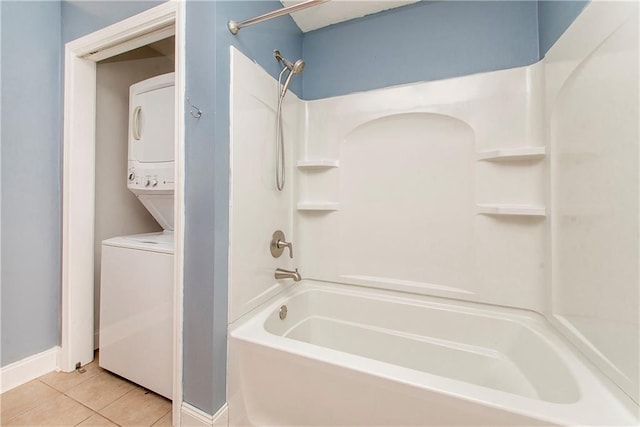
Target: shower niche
494	163
317	178
318	186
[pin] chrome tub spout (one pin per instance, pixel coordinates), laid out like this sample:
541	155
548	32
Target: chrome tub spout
281	273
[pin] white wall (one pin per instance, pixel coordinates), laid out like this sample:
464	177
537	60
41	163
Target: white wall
118	211
593	108
407	192
257	207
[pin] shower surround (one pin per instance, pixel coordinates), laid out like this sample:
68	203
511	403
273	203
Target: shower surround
478	189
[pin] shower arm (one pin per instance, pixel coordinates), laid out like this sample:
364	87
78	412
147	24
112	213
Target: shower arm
234	26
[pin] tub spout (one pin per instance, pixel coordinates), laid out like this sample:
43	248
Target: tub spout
281	273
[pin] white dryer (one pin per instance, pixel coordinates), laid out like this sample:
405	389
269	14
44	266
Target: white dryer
136	290
150	174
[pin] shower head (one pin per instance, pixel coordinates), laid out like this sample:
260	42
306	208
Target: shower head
294	68
298	67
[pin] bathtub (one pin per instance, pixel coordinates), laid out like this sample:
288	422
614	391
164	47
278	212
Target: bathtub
345	355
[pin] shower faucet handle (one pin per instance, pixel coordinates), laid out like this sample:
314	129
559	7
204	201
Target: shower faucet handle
278	243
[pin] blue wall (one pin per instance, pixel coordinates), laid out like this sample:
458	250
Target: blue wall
32	53
80	18
422	41
31	175
554	17
207	178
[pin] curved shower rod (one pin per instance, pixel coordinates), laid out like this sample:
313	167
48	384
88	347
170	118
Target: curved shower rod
235	26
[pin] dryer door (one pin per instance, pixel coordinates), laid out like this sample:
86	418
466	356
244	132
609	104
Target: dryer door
151	130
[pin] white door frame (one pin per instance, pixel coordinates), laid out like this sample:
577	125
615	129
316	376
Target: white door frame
78	195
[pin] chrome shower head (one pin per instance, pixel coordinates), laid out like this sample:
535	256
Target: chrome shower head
298	67
295	68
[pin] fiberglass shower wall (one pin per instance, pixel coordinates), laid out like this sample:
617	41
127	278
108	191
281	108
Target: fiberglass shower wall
592	119
420	188
257	207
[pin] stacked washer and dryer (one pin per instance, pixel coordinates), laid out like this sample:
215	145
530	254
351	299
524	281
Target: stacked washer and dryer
136	291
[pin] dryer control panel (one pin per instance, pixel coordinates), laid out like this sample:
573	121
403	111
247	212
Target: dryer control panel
150	177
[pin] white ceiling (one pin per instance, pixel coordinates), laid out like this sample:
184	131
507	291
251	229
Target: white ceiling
335	11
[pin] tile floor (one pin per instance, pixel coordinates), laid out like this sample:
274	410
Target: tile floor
93	398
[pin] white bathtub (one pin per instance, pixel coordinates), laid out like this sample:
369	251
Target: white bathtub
355	356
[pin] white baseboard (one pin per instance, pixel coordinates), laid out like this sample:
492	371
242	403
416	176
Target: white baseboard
221	418
29	368
193	417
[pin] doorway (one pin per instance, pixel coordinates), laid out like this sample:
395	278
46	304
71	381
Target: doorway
79	176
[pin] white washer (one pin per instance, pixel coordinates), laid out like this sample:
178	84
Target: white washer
136	309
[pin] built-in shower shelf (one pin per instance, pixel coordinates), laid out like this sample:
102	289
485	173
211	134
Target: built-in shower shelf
503	209
521	153
318	164
318	206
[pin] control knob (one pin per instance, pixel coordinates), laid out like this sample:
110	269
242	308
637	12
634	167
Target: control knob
131	176
147	183
154	183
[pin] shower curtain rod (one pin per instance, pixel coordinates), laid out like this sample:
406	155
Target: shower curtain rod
234	26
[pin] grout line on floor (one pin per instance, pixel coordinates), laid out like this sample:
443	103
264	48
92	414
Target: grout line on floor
121	397
3	421
59	393
93	413
163	415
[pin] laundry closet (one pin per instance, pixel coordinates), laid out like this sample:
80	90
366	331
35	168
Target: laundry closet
134	208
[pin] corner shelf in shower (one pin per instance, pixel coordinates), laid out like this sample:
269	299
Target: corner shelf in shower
317	164
522	153
318	206
504	209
